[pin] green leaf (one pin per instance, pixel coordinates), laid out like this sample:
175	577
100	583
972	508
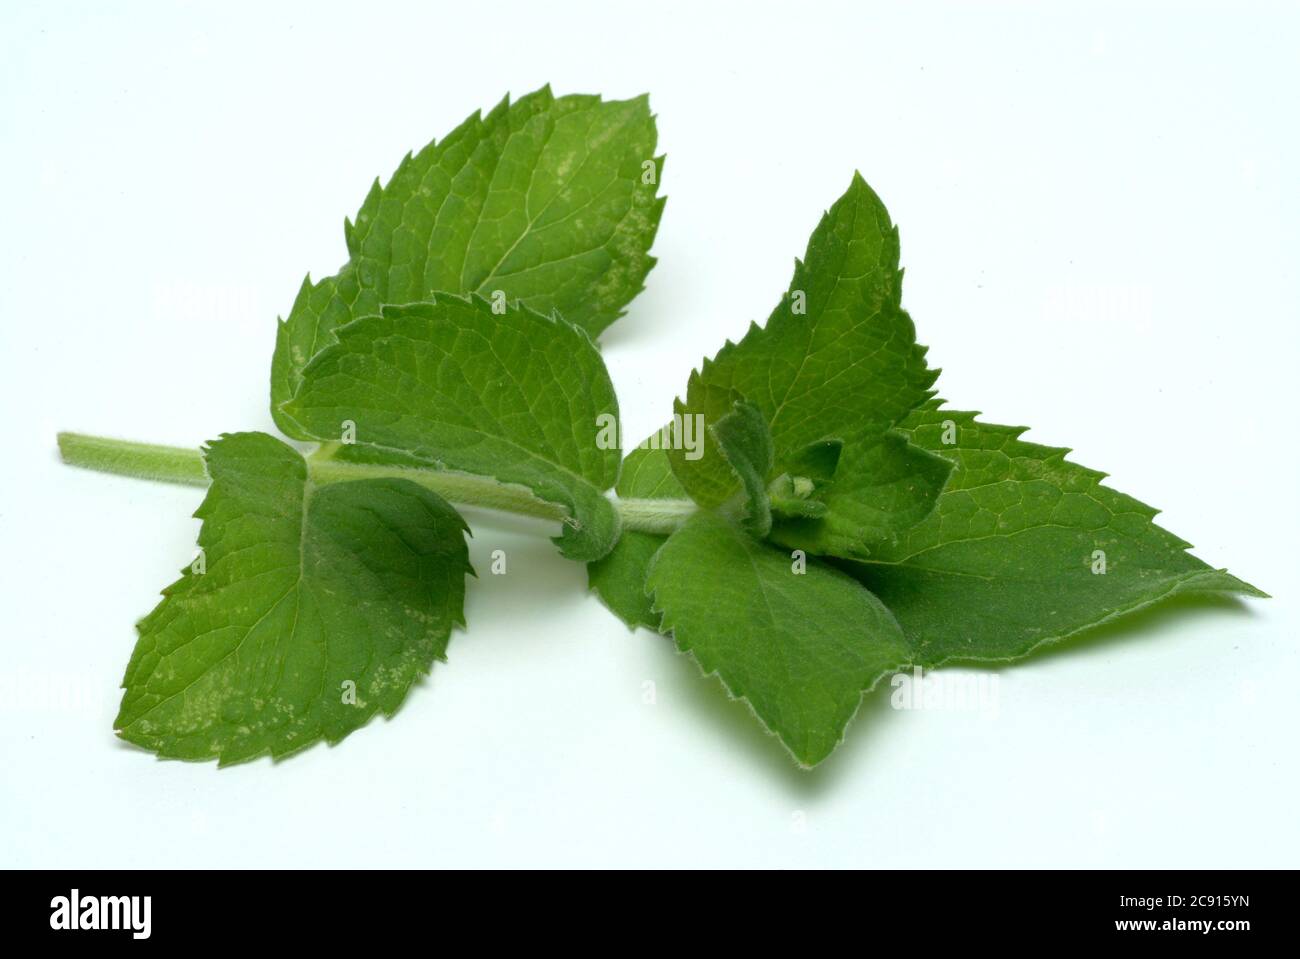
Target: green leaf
619	578
799	648
836	367
745	443
549	200
1011	557
449	384
816	461
304	590
880	488
647	474
812	467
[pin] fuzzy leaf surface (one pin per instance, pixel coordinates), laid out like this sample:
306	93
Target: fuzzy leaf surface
746	444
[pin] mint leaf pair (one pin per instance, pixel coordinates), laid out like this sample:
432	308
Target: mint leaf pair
329	586
548	201
833	523
452	354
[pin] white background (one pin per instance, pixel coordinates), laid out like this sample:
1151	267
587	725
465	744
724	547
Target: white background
1099	213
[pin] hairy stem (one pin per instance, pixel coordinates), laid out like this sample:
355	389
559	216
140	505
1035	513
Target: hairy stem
175	464
166	464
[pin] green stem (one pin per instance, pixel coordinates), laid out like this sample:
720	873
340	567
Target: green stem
166	464
174	464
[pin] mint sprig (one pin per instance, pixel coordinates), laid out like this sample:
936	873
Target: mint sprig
810	520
